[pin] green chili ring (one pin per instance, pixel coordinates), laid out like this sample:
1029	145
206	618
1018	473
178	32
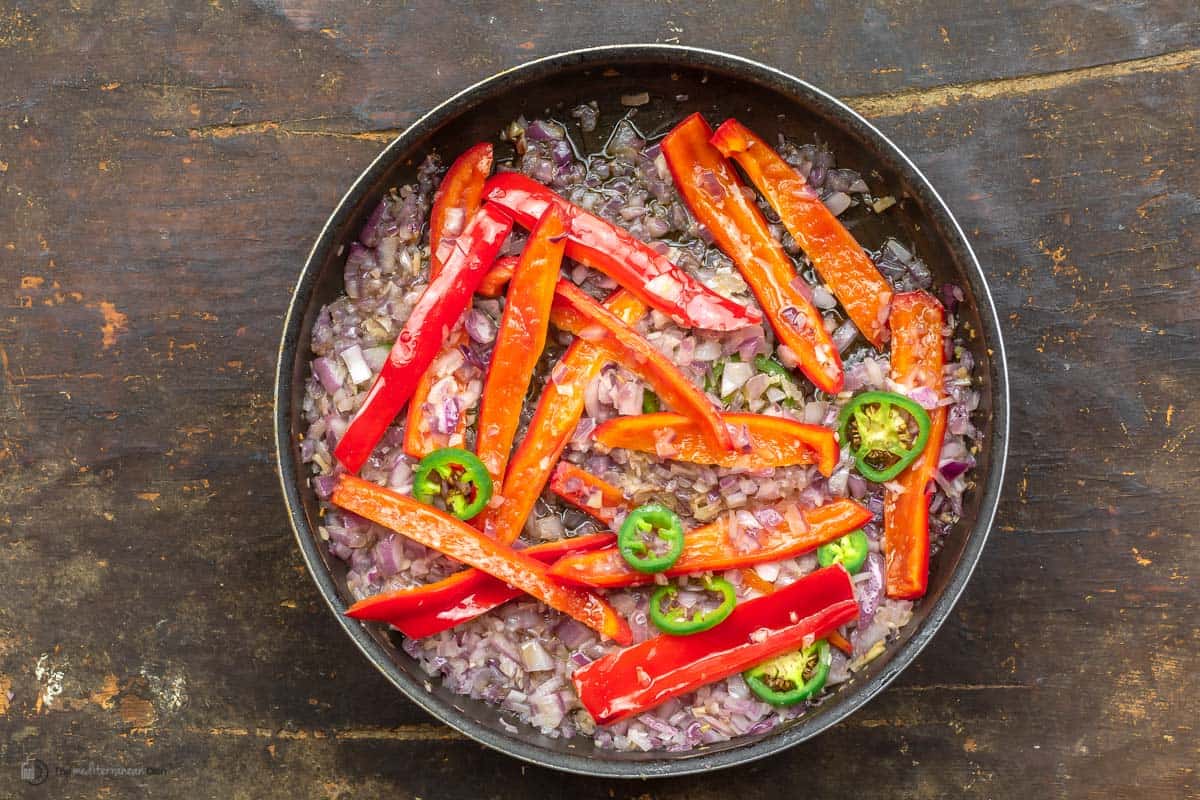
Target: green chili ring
677	623
664	524
792	677
850	551
879	436
456	476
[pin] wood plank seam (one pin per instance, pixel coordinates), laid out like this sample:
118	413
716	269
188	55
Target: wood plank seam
907	100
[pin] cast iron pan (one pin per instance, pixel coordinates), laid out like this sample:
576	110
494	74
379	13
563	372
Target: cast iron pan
680	80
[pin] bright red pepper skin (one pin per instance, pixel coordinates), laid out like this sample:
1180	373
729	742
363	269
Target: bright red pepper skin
557	414
612	250
458	540
435	607
713	193
455	203
424	332
643	676
578	313
520	340
835	254
498	277
709	548
917	361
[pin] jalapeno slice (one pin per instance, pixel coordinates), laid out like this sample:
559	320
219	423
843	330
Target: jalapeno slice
787	679
679	621
850	551
454	480
665	533
885	431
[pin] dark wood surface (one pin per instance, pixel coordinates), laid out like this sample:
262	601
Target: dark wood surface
163	171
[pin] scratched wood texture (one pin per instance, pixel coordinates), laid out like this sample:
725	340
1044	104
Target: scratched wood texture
164	168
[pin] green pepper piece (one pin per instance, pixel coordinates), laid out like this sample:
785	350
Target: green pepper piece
850	551
660	522
676	621
787	679
771	367
712	378
878	427
454	479
650	402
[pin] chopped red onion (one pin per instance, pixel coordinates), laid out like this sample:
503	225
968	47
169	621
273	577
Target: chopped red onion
870	591
822	298
323	485
734	376
837	202
844	335
357	367
479	326
328	373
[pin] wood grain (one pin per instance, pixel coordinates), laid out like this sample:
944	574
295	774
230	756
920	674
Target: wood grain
163	170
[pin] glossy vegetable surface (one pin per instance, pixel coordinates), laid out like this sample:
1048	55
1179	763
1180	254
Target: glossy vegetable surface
724	544
638	678
460	541
633	264
712	191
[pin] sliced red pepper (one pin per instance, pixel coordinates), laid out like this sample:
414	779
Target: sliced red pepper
755	581
840	642
498	277
456	201
836	255
917	361
591	495
458	540
647	274
714	548
711	189
424	332
638	678
435	607
519	342
774	441
554	420
578	313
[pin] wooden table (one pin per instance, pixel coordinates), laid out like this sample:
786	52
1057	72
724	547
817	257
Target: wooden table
164	170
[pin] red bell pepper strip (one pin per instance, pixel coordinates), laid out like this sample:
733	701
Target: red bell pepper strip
638	678
713	547
840	642
837	256
458	540
426	329
591	495
917	361
519	343
711	189
498	277
647	274
435	607
456	201
576	312
755	581
554	421
774	441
